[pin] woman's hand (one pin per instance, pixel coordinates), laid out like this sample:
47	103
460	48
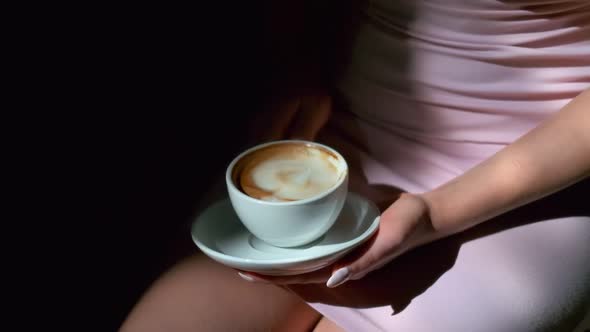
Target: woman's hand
403	226
294	117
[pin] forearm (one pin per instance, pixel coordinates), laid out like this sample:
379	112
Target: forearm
550	157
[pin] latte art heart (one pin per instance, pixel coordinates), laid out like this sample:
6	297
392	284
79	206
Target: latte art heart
294	179
288	173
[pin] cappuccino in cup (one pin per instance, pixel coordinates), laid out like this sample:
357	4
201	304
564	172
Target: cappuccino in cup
288	193
287	172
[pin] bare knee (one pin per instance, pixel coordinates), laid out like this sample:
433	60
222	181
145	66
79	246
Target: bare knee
200	294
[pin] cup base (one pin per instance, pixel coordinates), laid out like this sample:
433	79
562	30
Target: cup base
264	246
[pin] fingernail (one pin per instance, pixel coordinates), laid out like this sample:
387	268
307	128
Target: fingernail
247	277
339	277
252	278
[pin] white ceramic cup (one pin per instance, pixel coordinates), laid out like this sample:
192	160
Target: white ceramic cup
291	223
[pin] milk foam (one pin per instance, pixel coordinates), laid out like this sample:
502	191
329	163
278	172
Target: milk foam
292	176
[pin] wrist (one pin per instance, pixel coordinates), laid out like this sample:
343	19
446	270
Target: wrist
433	203
492	187
425	232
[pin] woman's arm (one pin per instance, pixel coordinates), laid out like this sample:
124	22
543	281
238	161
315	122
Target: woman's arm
550	157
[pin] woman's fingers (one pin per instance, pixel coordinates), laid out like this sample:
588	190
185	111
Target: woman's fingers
280	119
314	112
299	117
401	226
373	255
318	276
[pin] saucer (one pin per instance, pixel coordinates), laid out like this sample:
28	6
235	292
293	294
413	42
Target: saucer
220	235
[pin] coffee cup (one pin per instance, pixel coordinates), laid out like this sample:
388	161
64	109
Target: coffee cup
288	193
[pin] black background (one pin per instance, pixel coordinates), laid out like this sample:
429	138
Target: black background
145	107
174	88
118	118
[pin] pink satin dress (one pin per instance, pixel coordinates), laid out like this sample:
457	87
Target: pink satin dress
433	88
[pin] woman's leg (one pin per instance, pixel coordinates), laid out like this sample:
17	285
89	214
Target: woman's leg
326	325
200	295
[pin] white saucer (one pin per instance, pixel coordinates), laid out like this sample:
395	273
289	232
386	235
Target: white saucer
220	235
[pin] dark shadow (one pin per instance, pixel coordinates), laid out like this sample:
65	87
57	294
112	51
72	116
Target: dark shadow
166	91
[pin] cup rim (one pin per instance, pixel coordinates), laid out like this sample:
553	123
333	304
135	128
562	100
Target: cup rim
232	186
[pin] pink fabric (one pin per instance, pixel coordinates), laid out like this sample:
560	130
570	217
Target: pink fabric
435	87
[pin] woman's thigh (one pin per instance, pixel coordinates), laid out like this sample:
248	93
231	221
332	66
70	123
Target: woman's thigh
326	325
199	294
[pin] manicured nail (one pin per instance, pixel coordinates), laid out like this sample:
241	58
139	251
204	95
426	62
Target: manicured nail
247	277
251	278
339	277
